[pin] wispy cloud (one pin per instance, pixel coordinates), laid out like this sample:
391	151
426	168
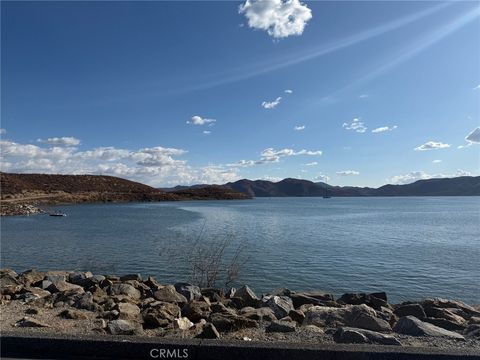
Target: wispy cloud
198	120
476	87
299	128
432	145
313	163
279	18
321	177
3	131
384	129
437	161
207	132
288	91
363	96
270	155
347	173
355	125
61	141
271	104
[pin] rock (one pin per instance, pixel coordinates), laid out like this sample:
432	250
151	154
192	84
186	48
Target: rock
31	277
124	327
410	325
182	324
375	300
262	314
160	315
472	331
281	305
33	311
359	336
44	284
445	324
364	317
443	313
220	308
9	285
410	309
209	331
227	322
152	283
60	286
324	316
281	326
73	314
169	294
124	289
230	293
312	329
30	322
136	277
127	311
474	320
303	298
100	323
297	315
85	301
196	310
56	278
191	292
248	296
214	295
450	304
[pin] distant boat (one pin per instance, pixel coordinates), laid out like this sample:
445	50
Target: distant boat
326	196
57	214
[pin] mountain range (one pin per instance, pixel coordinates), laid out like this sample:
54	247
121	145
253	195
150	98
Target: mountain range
457	186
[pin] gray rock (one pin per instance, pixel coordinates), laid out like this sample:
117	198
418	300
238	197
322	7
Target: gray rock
281	326
324	316
191	292
297	315
445	324
443	303
410	309
444	313
169	294
248	296
472	331
261	314
209	331
357	336
281	305
85	301
73	314
364	317
44	284
31	277
196	310
227	322
56	278
127	311
314	298
30	322
410	325
61	286
124	327
124	289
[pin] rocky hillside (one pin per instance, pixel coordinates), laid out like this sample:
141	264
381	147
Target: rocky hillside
459	186
18	190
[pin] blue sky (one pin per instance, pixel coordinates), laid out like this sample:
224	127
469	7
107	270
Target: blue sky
170	93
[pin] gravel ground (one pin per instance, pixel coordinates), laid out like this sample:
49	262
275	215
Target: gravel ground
13	311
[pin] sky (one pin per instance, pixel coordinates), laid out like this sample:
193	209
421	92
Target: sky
166	93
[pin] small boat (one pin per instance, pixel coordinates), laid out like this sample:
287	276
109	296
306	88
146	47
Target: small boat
57	214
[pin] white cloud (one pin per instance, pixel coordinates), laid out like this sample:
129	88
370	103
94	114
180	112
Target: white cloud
322	178
270	155
347	173
156	166
198	120
477	87
271	178
422	175
432	145
313	163
61	141
3	131
271	104
299	128
436	161
356	125
288	91
207	132
280	18
384	128
363	96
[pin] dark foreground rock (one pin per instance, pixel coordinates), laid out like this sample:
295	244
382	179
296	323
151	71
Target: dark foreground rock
73	301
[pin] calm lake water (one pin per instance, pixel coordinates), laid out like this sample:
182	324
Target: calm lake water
409	247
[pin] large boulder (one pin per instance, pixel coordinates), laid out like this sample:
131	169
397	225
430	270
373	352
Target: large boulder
444	313
450	304
259	314
124	289
196	310
355	335
61	286
191	292
30	322
127	311
364	317
160	315
325	316
182	324
169	294
280	305
229	322
311	297
9	285
410	309
124	327
247	295
281	326
410	325
31	277
209	331
374	300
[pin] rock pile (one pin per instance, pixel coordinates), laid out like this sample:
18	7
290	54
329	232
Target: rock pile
129	305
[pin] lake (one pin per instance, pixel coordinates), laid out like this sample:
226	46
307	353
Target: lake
411	247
